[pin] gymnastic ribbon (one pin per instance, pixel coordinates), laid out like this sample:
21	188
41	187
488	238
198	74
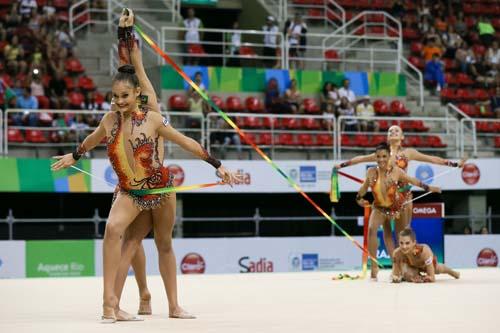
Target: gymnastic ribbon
162	190
334	186
247	139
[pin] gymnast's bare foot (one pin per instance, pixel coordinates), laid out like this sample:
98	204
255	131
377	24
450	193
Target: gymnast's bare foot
180	313
145	303
374	272
108	315
455	274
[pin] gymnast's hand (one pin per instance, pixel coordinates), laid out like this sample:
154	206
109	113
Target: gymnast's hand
228	177
64	161
127	18
462	162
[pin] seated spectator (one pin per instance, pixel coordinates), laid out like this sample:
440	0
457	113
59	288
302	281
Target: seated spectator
329	98
64	37
273	101
452	41
467	230
424	25
49	13
37	57
225	138
196	106
430	49
13	51
365	109
424	10
292	98
346	91
26	102
35	21
78	128
434	73
60	123
346	109
484	231
441	24
482	72
486	31
460	25
13	19
493	55
398	9
432	36
106	105
26	8
465	57
198	79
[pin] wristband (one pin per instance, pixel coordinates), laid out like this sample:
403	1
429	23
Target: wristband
210	159
425	187
451	164
77	154
345	164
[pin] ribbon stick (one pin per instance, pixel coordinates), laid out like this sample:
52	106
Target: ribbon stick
156	190
244	136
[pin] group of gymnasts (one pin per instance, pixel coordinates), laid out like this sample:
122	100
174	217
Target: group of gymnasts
134	132
392	202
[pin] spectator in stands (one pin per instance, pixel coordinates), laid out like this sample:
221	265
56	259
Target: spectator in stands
452	41
273	101
493	55
198	79
424	25
460	25
441	24
26	8
191	35
271	42
78	128
57	91
49	13
13	51
196	104
329	98
64	37
482	72
430	49
486	31
465	57
434	73
423	10
347	109
365	109
106	105
495	102
467	230
293	99
26	102
13	19
432	36
233	42
398	9
346	91
36	85
484	230
225	138
296	31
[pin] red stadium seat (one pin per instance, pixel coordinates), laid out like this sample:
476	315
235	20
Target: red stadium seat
233	104
86	83
497	142
311	123
479	50
305	139
15	135
448	94
480	95
450	79
265	139
271	123
417	62
465	95
436	142
99	98
464	79
410	34
324	140
310	106
219	102
70	84
252	122
346	140
248	52
361	140
383	125
196	49
416	48
380	107
468	109
249	137
35	136
177	103
286	139
61	4
418	126
290	123
73	65
331	56
254	105
75	99
43	102
449	64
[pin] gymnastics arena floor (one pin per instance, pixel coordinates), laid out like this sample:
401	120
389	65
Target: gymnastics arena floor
272	302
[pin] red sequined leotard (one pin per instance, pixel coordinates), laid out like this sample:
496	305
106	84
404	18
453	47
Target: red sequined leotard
387	199
133	149
402	161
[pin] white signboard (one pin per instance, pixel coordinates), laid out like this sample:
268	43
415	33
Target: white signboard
12	259
472	251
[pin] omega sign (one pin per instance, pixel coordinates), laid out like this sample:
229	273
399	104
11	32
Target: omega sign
428	210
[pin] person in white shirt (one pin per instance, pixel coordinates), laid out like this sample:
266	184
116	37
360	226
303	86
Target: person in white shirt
365	109
493	56
271	41
191	35
26	8
296	31
346	91
233	43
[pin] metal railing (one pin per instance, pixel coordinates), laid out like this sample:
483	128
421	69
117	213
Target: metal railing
72	136
473	124
468	132
415	80
218	41
330	13
257	219
274	128
450	132
276	8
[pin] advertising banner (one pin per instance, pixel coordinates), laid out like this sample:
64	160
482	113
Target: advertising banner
60	258
428	224
467	251
12	259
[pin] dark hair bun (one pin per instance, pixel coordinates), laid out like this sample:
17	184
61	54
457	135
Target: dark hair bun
127	69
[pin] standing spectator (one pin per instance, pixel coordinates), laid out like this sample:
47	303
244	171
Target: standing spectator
26	8
434	73
49	13
460	25
292	98
191	35
64	37
398	9
296	33
346	109
26	102
346	91
273	101
13	19
37	86
452	41
271	41
234	42
365	109
486	31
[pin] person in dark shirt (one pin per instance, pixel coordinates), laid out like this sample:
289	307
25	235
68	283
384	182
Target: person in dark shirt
57	91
